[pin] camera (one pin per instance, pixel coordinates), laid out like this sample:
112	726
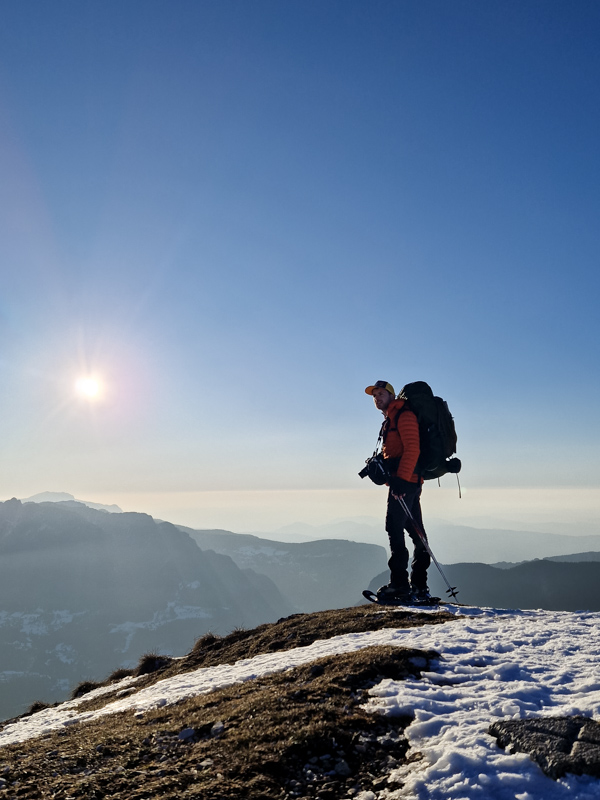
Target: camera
376	469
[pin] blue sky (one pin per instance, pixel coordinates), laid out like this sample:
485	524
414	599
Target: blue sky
239	214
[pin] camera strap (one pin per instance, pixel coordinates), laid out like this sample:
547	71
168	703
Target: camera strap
382	435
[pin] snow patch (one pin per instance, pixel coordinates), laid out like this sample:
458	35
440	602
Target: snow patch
528	664
172	612
65	653
39	622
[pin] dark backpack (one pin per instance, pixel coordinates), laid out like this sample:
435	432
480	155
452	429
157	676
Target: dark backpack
437	434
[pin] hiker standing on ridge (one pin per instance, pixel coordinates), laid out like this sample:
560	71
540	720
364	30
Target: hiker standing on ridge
400	448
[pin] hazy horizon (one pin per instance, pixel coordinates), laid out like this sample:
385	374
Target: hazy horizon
586	524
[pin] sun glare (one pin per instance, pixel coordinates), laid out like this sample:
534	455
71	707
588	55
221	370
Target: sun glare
88	388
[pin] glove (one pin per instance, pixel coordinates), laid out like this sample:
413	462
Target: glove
401	487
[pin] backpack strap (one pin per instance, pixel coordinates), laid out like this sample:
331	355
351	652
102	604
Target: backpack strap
395	426
404	408
386	427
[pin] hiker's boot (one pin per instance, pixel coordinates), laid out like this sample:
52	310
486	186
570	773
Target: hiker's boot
423	598
394	595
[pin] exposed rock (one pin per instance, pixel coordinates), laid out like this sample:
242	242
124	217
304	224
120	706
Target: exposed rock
558	744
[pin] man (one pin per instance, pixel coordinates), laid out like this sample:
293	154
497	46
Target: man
400	447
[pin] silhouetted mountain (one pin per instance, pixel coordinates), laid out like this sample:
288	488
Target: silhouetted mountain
549	584
451	543
313	575
63	497
361	529
83	590
592	555
459	543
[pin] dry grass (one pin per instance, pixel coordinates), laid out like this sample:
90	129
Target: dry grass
297	734
303	730
299	630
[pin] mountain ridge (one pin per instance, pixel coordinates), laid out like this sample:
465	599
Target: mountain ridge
65	497
554	584
326	573
139	585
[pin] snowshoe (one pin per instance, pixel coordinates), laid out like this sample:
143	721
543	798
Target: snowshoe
389	596
421	597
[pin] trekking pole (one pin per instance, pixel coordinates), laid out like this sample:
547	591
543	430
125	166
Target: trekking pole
451	590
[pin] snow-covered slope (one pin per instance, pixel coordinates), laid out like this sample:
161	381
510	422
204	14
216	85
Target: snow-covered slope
493	665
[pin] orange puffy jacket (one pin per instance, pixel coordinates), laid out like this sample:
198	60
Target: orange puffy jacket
401	440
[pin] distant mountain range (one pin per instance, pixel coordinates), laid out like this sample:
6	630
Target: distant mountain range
314	575
65	497
569	584
456	544
452	543
83	591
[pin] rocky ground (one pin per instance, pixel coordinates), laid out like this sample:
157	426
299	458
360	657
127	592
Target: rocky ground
558	744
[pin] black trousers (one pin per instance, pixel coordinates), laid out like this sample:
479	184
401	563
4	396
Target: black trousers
397	522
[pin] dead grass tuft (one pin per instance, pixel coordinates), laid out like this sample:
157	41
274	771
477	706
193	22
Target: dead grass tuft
152	662
119	674
83	688
38	705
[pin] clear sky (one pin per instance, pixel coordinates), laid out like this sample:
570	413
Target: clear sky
236	214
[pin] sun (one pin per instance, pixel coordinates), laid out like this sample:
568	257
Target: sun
88	388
